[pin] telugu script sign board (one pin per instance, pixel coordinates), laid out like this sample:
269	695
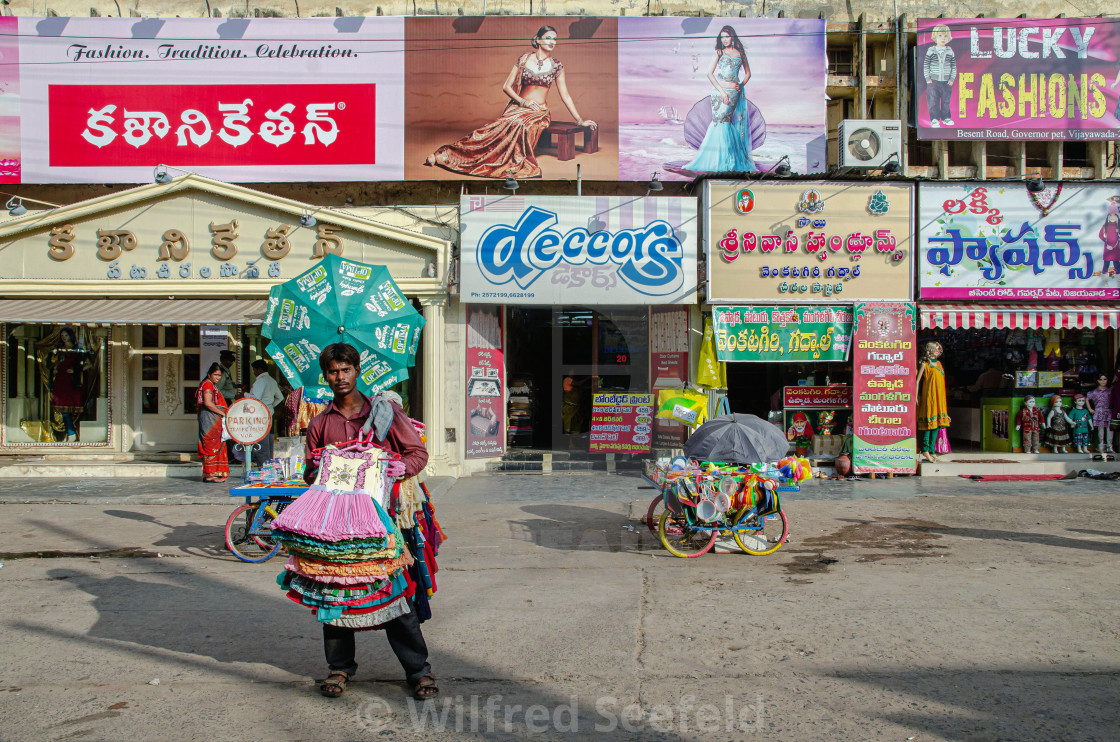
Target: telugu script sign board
782	333
1017	78
817	396
884	363
578	250
621	423
668	362
992	241
262	99
248	421
808	242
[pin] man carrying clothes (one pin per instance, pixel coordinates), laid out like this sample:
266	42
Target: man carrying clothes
341	422
267	391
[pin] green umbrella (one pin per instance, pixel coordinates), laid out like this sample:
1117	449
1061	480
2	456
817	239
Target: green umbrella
342	301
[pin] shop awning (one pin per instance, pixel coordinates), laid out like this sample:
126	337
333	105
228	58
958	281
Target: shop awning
134	311
1019	316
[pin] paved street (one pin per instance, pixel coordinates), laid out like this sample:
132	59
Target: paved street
899	610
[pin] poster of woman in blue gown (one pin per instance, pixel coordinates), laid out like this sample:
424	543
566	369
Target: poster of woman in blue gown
727	143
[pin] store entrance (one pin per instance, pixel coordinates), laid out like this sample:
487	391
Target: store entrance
559	358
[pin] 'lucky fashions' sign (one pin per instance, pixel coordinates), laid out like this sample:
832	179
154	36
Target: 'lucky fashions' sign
782	333
565	250
809	242
999	241
1017	78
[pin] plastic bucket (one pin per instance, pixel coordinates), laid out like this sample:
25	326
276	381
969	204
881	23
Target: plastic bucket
706	511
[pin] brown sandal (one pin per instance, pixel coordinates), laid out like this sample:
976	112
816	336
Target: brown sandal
335	684
425	688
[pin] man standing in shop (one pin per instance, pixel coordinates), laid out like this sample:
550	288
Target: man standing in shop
226	387
340	422
267	391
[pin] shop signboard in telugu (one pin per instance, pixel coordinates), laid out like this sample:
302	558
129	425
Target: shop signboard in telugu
806	334
595	250
486	389
808	242
668	361
998	241
621	423
817	396
1021	79
884	373
261	99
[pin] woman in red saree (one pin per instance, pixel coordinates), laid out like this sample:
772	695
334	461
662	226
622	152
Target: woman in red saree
504	148
211	411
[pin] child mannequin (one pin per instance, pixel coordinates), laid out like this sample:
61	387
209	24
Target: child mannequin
1082	422
1057	426
1030	422
1100	404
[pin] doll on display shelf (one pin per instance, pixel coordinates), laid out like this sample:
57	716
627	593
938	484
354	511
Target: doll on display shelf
1082	419
933	407
1057	426
1030	423
1100	404
800	433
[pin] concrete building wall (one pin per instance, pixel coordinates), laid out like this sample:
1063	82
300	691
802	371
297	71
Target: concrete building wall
831	11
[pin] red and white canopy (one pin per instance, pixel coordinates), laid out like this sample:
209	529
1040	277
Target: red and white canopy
1019	316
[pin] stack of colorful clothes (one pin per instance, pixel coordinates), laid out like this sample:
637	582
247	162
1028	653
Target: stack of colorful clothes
349	561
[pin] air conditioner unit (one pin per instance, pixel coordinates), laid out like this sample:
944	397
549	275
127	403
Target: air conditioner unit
869	143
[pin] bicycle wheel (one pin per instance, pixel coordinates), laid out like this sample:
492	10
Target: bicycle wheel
653	516
681	539
760	539
242	543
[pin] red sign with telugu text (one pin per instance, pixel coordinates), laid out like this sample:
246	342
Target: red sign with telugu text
195	125
818	396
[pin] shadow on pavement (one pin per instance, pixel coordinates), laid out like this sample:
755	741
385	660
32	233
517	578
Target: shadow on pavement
580	528
998	704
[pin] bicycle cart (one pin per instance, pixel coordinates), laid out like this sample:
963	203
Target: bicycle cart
699	501
249	528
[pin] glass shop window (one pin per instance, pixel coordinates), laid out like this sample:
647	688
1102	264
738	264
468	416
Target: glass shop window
56	387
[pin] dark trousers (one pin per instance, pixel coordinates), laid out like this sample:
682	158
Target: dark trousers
264	453
404	637
939	97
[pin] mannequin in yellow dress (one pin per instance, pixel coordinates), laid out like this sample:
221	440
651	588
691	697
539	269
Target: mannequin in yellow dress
933	407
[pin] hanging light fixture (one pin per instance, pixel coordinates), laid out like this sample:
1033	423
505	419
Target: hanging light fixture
654	183
511	183
892	165
15	206
160	175
1035	185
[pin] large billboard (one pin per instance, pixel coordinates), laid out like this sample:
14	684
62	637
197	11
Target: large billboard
596	250
997	240
1018	78
770	102
808	242
108	99
324	99
462	121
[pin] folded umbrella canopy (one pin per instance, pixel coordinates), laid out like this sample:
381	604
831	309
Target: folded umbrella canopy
342	301
737	439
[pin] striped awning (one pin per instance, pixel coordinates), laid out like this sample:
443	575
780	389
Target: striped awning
1019	316
135	311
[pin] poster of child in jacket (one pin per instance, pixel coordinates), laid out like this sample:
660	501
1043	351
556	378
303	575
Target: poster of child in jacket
939	67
